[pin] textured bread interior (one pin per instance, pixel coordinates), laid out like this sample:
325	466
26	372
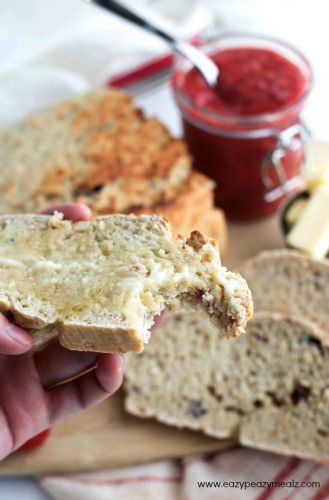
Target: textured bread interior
268	389
111	276
285	281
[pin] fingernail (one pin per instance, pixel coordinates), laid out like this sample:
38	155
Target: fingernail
18	334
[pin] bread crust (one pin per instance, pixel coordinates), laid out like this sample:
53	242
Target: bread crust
81	337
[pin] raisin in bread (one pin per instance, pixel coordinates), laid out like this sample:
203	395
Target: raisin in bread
268	389
288	282
99	284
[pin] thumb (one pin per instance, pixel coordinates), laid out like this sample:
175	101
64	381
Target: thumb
13	339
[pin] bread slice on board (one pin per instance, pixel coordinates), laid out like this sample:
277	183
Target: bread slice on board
288	282
268	389
99	284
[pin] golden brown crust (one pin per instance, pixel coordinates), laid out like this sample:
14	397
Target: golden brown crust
130	151
99	339
193	199
69	151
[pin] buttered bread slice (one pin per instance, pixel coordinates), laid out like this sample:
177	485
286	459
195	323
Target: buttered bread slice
98	285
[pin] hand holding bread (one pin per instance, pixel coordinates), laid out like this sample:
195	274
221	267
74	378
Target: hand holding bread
130	268
30	398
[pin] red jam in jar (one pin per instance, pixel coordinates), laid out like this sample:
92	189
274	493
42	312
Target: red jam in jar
247	133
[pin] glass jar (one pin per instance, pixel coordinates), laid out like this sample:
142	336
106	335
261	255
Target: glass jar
255	159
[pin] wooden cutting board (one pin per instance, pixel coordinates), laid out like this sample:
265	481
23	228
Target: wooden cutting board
106	436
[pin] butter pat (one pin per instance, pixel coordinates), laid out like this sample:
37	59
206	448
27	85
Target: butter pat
295	211
311	232
316	178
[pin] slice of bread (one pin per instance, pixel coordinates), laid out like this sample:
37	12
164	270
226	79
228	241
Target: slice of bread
98	148
99	284
268	389
288	282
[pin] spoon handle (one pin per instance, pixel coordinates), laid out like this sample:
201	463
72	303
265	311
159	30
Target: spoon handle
206	66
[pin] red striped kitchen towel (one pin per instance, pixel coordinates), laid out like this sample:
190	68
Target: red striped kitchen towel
231	475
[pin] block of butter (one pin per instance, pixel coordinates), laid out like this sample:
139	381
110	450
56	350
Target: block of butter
310	233
316	177
295	210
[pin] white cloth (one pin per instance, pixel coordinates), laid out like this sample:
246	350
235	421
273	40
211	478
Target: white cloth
76	46
172	480
53	50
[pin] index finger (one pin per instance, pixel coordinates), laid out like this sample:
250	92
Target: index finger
72	211
13	339
91	388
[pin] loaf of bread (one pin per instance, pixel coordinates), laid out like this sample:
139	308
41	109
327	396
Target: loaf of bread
268	389
101	150
98	148
288	282
99	284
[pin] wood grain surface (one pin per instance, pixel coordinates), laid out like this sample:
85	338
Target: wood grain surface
106	436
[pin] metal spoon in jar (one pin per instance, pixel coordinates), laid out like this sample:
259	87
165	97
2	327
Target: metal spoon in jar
204	64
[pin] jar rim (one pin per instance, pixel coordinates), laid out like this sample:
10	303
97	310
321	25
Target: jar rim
257	119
